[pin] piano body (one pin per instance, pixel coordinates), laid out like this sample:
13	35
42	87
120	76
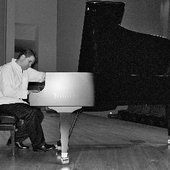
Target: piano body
129	67
65	89
65	92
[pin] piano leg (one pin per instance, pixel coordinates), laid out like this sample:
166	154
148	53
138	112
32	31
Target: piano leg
65	125
168	121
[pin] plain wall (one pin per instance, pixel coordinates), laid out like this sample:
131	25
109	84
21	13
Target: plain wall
10	29
43	15
140	15
2	31
69	30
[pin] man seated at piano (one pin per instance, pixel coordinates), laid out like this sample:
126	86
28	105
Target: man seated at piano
14	78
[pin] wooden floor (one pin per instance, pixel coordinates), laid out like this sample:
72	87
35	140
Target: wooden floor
97	143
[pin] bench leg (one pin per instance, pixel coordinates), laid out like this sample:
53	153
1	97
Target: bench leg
13	142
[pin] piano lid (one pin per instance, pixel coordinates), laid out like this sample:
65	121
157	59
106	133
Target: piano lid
108	48
100	16
65	89
129	67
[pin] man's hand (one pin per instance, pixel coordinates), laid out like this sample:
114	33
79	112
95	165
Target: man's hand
44	75
33	91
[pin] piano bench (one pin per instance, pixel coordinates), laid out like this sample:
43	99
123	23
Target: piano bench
8	123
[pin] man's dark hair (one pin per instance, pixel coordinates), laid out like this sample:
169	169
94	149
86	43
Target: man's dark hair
27	53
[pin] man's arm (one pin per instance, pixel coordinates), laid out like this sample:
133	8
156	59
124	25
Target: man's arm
35	76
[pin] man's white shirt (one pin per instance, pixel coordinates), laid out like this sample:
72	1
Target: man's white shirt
14	82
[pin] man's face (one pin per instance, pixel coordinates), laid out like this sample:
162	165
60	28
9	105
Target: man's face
27	62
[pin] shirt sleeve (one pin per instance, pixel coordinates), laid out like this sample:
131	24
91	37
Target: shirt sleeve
8	87
35	76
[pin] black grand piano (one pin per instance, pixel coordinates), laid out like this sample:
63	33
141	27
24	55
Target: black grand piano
129	67
117	66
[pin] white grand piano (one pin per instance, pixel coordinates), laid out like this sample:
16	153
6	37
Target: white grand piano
65	92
